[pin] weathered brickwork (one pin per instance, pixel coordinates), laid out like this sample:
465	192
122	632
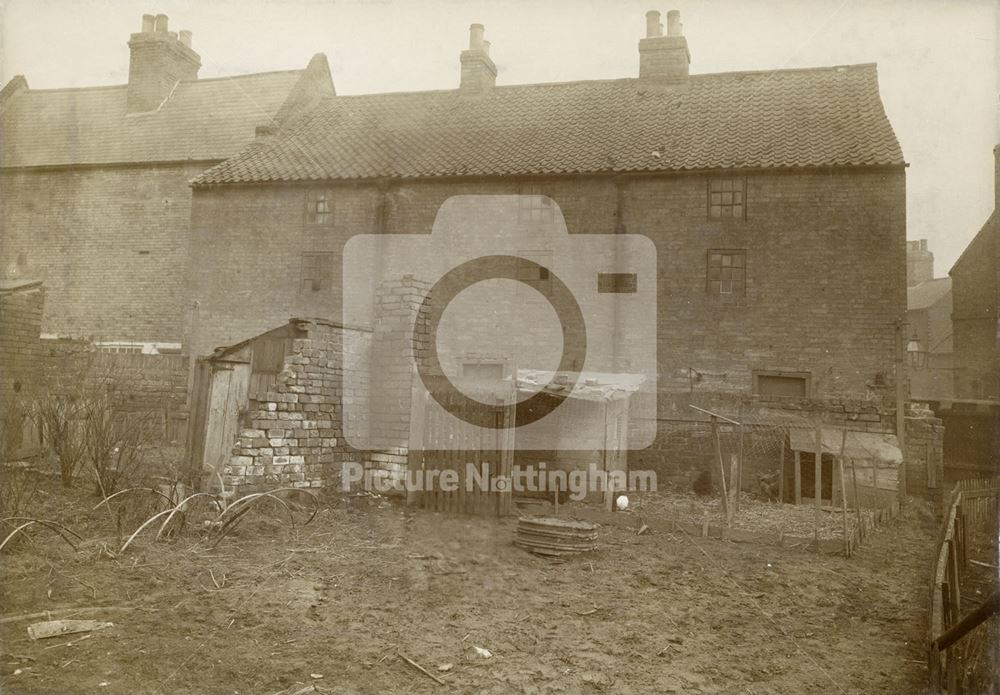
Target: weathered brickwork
975	297
833	241
294	436
337	377
109	243
20	355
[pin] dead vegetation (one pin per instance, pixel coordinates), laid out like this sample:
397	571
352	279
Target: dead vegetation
350	598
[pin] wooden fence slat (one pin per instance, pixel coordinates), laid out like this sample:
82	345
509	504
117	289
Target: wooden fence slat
971	505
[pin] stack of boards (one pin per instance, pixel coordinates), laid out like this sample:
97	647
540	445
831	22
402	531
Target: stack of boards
555	537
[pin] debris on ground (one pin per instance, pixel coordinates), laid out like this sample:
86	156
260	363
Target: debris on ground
56	628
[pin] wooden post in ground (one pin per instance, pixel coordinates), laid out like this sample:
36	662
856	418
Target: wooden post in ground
722	467
739	465
781	475
859	510
734	490
843	492
818	481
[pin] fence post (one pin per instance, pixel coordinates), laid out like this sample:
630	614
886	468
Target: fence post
933	669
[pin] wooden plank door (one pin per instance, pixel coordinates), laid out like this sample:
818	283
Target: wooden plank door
227	396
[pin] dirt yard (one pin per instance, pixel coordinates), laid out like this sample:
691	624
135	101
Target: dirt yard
335	603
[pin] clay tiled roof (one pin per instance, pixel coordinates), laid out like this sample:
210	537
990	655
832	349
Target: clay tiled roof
207	119
927	293
783	118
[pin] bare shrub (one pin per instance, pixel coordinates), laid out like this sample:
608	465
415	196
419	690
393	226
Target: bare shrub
17	491
113	444
59	415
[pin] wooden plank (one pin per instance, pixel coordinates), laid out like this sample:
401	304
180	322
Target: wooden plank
798	477
818	482
722	467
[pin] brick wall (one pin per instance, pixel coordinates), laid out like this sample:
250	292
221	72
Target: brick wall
20	354
110	243
336	376
804	236
975	295
294	438
825	267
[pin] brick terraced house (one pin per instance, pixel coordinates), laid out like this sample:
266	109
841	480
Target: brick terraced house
775	199
96	201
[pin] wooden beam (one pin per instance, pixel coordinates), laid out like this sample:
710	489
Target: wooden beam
972	620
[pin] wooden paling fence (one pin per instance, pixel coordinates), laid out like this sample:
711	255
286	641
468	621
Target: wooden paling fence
465	470
972	506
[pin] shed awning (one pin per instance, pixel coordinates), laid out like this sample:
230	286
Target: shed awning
590	386
859	445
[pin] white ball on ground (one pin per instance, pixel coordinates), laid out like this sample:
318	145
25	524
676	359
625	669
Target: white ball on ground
622	503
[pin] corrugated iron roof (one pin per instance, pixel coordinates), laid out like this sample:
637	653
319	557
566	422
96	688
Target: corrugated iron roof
593	386
776	119
858	445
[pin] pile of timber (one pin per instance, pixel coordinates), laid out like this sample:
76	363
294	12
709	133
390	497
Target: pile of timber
555	537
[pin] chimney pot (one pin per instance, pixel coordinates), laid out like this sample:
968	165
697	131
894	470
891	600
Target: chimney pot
476	36
653	26
674	26
148	22
160	26
486	47
185	37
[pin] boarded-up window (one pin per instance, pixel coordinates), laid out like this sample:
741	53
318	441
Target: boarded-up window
317	271
483	371
781	384
617	283
268	356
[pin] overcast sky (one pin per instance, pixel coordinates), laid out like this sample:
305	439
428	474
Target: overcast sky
937	60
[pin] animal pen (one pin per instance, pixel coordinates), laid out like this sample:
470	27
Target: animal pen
783	478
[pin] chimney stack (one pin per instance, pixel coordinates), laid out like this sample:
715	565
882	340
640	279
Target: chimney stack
662	58
159	58
479	73
919	262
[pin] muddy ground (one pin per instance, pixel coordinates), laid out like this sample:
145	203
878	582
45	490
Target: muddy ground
335	603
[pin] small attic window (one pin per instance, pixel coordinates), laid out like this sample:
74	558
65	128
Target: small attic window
534	205
319	207
727	198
